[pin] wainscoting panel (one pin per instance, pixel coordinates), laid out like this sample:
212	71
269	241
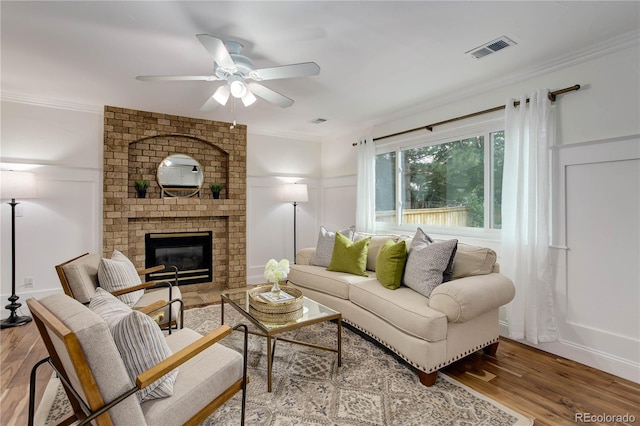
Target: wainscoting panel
63	222
270	224
602	236
597	251
338	209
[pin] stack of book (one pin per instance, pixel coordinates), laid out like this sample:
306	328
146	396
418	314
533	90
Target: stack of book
276	298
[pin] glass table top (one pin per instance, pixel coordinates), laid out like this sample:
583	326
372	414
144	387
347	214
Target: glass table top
312	312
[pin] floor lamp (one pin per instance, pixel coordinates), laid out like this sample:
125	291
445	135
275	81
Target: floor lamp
295	193
14	185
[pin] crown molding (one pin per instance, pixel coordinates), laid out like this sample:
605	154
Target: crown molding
51	103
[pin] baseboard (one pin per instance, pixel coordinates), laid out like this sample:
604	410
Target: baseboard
591	357
24	295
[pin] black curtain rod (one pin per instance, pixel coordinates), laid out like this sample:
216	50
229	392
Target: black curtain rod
551	95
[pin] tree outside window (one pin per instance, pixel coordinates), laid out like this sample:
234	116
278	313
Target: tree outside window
443	184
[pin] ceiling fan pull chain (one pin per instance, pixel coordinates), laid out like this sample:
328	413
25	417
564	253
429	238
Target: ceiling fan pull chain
233	108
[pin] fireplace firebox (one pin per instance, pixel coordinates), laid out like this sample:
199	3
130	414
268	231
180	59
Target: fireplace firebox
190	252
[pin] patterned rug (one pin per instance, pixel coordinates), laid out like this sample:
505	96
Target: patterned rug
372	387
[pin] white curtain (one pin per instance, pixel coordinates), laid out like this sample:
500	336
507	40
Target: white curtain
366	189
525	217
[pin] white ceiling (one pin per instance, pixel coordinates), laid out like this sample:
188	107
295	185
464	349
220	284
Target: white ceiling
376	58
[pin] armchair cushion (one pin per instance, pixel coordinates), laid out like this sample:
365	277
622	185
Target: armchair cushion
201	379
119	273
142	345
82	276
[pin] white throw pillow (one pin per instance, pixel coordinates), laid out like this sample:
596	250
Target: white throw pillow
324	247
108	307
429	263
119	273
142	345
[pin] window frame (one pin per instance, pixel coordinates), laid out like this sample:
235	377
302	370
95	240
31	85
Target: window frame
411	141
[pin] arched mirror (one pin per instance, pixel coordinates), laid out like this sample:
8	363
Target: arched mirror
179	175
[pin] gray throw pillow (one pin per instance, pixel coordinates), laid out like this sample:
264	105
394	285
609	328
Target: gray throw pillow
142	345
428	263
324	247
108	307
119	273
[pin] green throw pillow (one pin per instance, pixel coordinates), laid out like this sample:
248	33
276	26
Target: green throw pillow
348	256
390	264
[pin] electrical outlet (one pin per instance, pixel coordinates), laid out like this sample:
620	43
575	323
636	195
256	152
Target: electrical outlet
18	211
28	282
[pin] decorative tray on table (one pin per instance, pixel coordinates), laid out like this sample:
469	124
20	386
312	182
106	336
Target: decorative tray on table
268	307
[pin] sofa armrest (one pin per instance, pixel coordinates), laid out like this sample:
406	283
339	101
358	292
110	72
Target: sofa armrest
303	257
466	298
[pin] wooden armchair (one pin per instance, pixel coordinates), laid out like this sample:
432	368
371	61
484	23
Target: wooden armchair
79	279
84	354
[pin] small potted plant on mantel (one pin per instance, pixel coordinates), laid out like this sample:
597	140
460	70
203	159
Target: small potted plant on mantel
215	189
141	187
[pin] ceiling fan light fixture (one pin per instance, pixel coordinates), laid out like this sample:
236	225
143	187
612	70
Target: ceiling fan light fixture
222	95
237	88
248	99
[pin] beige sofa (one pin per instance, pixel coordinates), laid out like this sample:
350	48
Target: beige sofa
459	318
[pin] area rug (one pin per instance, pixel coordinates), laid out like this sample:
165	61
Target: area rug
372	387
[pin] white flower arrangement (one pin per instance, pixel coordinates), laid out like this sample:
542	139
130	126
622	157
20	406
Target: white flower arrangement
274	272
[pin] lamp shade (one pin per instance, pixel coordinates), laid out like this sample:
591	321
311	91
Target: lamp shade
295	193
19	185
222	95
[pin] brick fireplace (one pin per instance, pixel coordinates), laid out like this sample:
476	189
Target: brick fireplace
135	142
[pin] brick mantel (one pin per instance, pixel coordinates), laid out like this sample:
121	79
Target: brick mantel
135	142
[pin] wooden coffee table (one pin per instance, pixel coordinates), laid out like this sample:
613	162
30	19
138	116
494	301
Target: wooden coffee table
313	312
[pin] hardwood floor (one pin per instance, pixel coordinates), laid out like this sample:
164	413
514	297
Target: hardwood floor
541	386
552	390
20	348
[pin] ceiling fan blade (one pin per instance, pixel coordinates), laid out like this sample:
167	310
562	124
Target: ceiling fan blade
218	51
288	71
270	95
177	78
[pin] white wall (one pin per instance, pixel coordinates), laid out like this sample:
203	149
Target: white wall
597	279
272	162
63	147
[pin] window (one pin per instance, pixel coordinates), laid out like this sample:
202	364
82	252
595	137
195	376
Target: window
450	183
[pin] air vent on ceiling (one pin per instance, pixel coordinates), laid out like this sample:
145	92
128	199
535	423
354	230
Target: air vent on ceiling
491	47
318	120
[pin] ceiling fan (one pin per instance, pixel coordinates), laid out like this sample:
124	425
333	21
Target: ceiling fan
242	80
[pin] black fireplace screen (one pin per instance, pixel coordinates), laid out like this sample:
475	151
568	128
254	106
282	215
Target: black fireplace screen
190	252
